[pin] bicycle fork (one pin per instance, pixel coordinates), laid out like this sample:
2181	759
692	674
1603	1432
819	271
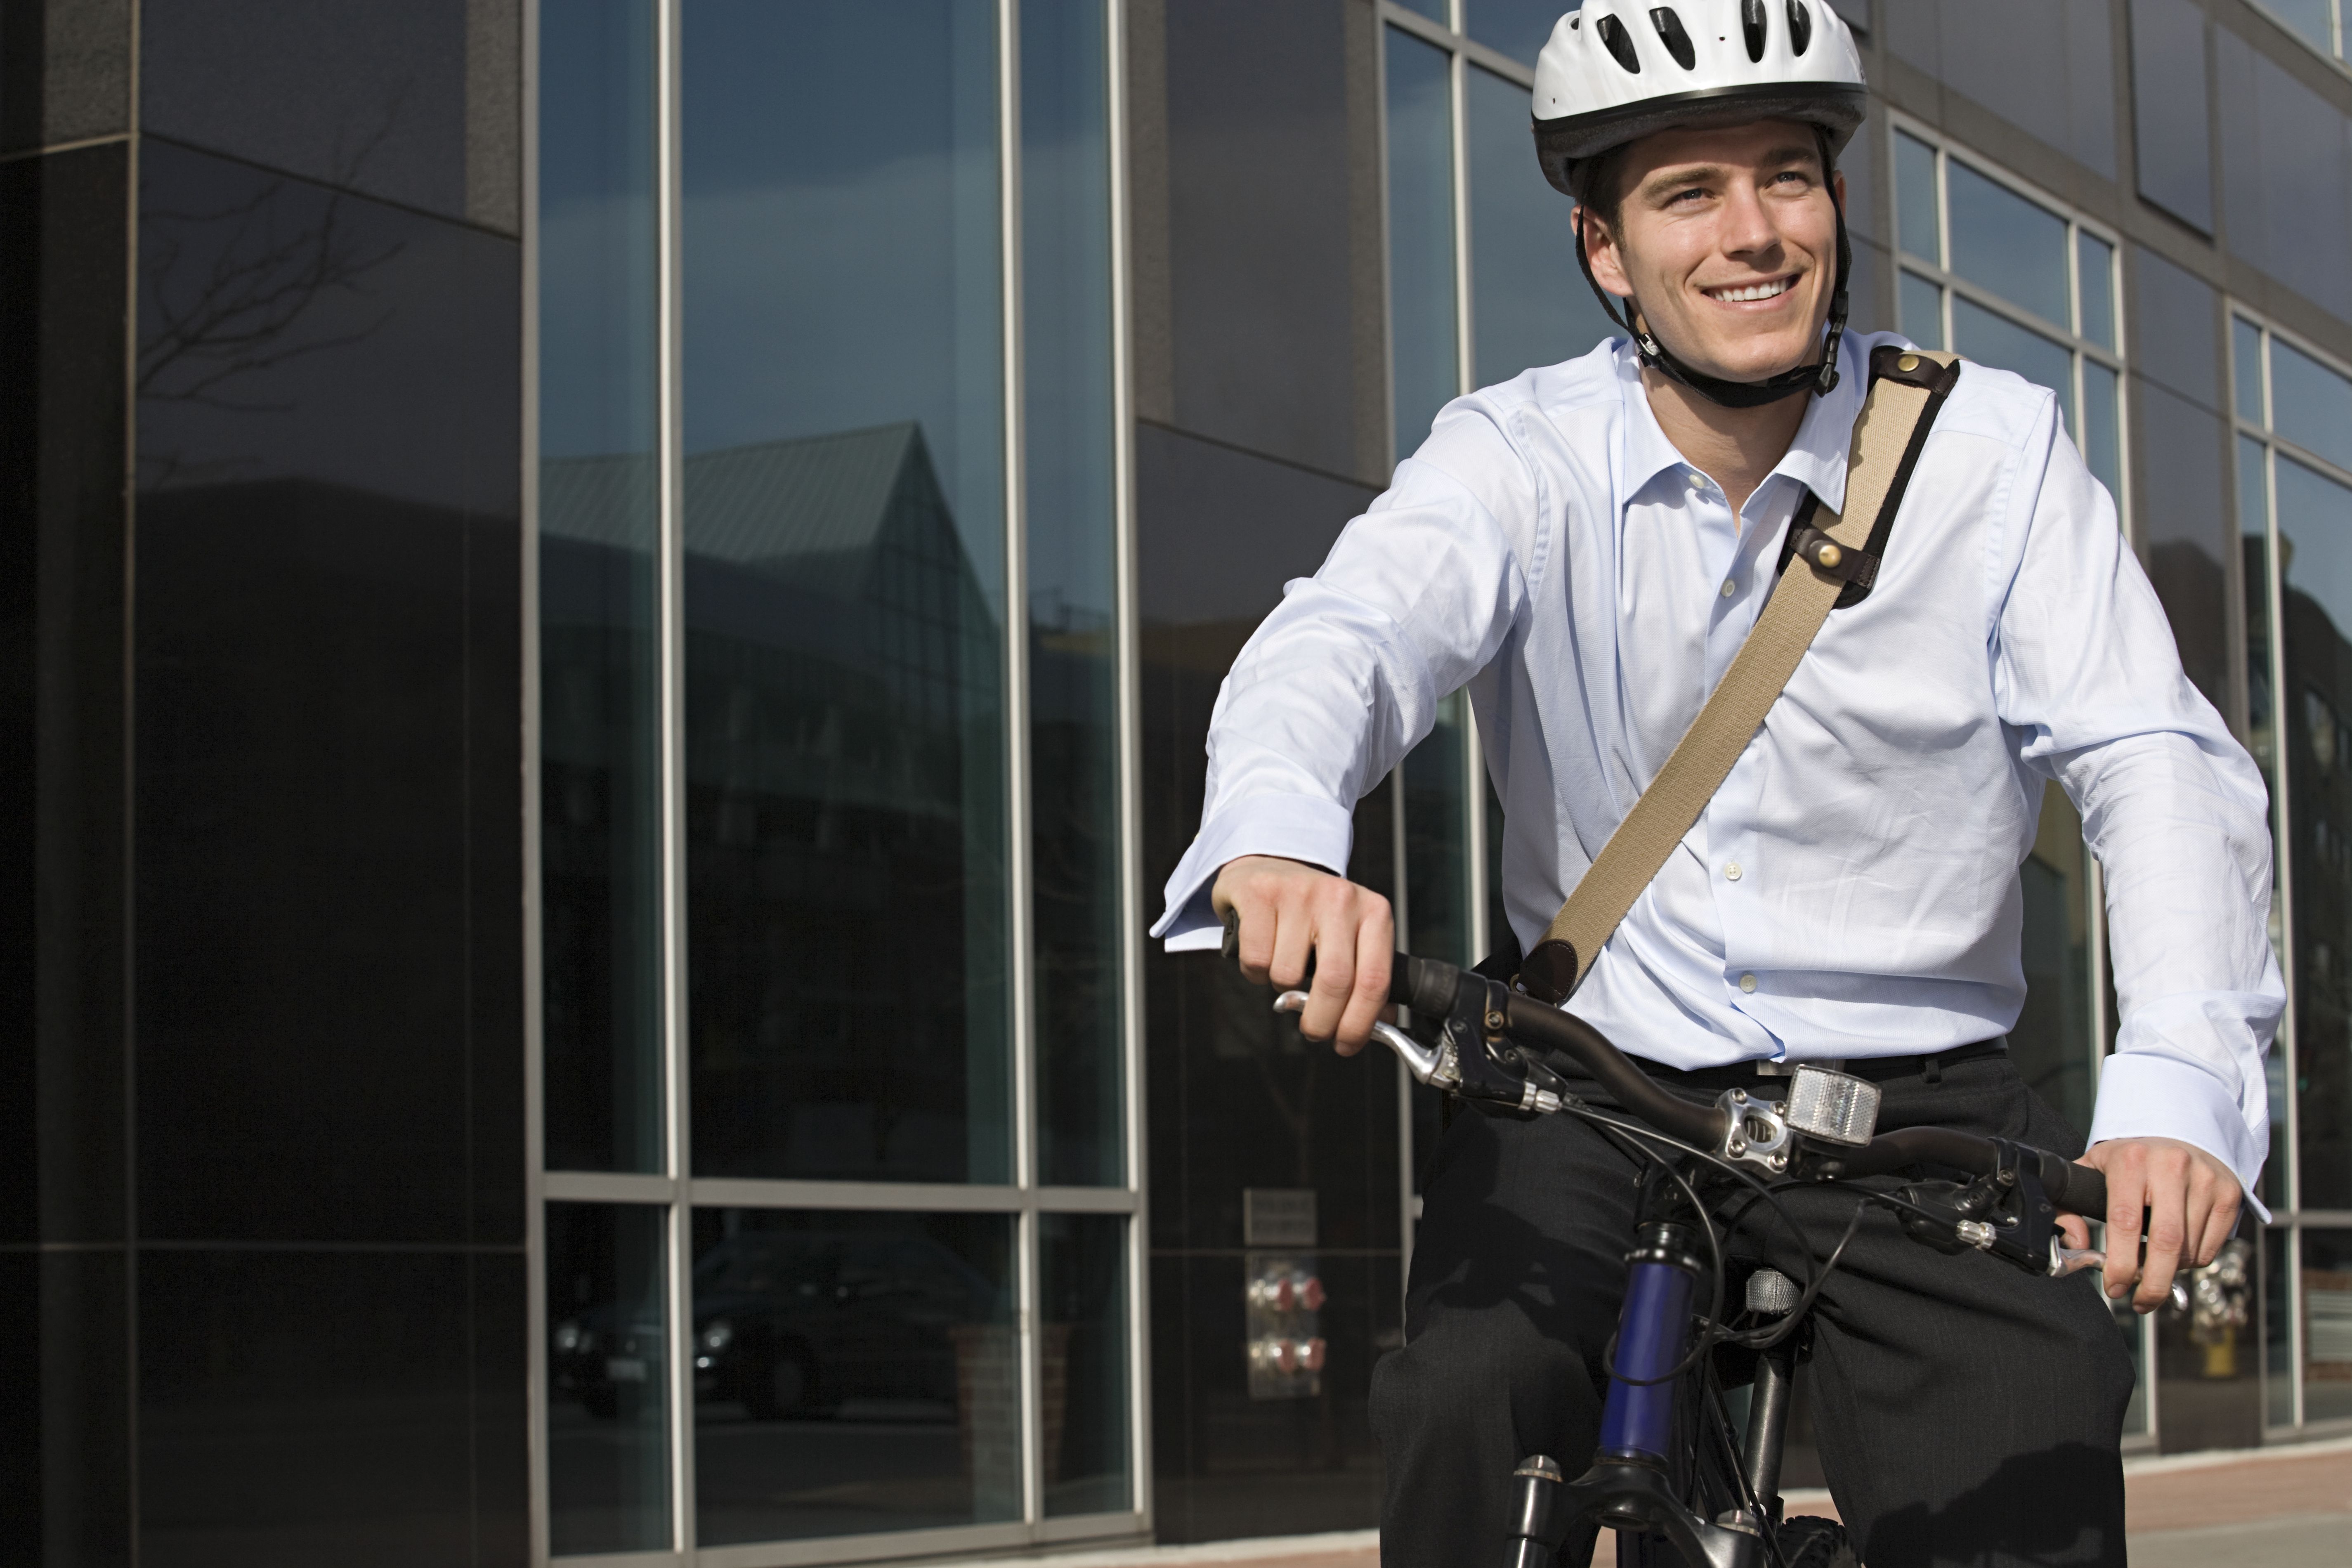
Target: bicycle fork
1633	1485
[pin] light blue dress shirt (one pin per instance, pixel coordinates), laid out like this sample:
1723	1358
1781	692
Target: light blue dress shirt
1852	888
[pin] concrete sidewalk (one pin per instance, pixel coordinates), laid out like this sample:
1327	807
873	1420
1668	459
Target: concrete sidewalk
2273	1508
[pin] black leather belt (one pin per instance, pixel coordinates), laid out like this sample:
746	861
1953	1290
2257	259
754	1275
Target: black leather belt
1877	1069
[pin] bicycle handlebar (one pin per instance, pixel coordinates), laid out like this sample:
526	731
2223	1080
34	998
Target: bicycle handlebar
1432	986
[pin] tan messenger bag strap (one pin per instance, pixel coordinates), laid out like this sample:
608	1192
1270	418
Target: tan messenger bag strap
1841	552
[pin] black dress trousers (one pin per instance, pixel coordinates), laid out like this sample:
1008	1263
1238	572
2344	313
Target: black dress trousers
1967	1413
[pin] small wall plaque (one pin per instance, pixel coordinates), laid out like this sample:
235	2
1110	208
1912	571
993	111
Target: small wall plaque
1277	1216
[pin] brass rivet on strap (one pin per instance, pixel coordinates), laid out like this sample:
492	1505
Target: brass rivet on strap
1907	364
1828	557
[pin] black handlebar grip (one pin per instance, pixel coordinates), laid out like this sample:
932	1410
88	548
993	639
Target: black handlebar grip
1424	984
2076	1189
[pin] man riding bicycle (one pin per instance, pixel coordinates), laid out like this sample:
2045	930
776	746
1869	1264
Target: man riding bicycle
1585	549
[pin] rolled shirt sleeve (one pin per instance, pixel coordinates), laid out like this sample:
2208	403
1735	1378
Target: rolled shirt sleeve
2087	673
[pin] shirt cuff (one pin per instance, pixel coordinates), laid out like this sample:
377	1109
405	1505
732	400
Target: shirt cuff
2148	1093
1295	827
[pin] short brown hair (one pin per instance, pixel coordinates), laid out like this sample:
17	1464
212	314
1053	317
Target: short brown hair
1599	181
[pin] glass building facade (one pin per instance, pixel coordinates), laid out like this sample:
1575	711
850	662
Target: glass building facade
611	610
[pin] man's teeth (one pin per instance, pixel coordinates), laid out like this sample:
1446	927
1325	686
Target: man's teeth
1778	286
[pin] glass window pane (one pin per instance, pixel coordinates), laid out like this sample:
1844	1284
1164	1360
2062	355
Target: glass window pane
2315	544
853	1373
2278	1333
1421	318
1998	340
2262	732
844	590
2103	427
2094	272
1921	303
1916	209
2327	1325
598	516
608	1362
1516	27
1073	595
2311	405
1084	1363
2008	244
2051	1040
2310	18
1529	303
1436	838
2246	348
1438	10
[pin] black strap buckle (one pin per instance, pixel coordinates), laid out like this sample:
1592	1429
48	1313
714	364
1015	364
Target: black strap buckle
1826	554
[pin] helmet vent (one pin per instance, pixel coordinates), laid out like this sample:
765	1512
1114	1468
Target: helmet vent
1800	27
1670	33
1751	23
1614	38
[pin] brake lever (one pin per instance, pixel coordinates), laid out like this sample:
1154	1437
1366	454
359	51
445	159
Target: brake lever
1434	1066
1442	1067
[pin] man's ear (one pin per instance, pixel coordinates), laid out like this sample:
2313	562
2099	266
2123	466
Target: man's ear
1837	185
1600	251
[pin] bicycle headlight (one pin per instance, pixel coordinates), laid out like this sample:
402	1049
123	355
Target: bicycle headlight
1834	1107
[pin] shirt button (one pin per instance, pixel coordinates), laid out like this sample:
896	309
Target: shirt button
1729	588
1698	481
1732	872
1747	983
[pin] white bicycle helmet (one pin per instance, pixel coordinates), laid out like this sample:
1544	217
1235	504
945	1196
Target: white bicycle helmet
1620	69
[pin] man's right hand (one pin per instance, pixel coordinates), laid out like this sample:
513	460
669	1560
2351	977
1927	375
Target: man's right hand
1289	910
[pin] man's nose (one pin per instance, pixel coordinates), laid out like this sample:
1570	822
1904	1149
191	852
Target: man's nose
1748	228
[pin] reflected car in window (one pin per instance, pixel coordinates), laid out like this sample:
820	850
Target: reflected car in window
796	1323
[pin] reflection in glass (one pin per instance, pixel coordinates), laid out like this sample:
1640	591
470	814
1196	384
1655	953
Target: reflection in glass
1072	590
608	1363
2050	1043
1081	1355
2311	405
2315	545
1996	340
2261	741
844	489
1436	830
2094	272
2103	447
1922	304
599	513
1529	305
1515	27
2311	18
853	1373
1916	209
2278	1330
2008	244
1424	346
2134	1330
2246	349
2327	1324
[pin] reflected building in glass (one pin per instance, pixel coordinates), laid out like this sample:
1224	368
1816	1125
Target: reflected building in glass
615	604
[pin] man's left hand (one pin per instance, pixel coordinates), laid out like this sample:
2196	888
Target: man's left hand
2191	1202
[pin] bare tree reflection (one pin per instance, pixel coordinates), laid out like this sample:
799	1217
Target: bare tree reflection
233	294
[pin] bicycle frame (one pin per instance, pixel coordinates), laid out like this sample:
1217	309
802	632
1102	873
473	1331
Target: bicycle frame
1651	1464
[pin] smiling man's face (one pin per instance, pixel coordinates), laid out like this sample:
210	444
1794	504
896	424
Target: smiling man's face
1728	242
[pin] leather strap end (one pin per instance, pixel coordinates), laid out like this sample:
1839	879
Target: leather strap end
1549	973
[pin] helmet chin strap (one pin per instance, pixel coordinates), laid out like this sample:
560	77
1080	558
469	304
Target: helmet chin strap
1805	378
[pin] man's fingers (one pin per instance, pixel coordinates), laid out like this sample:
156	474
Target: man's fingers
2168	1227
1335	977
2126	1195
2219	1218
1375	953
2076	1230
1294	939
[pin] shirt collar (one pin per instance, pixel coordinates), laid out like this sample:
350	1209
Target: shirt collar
1815	459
